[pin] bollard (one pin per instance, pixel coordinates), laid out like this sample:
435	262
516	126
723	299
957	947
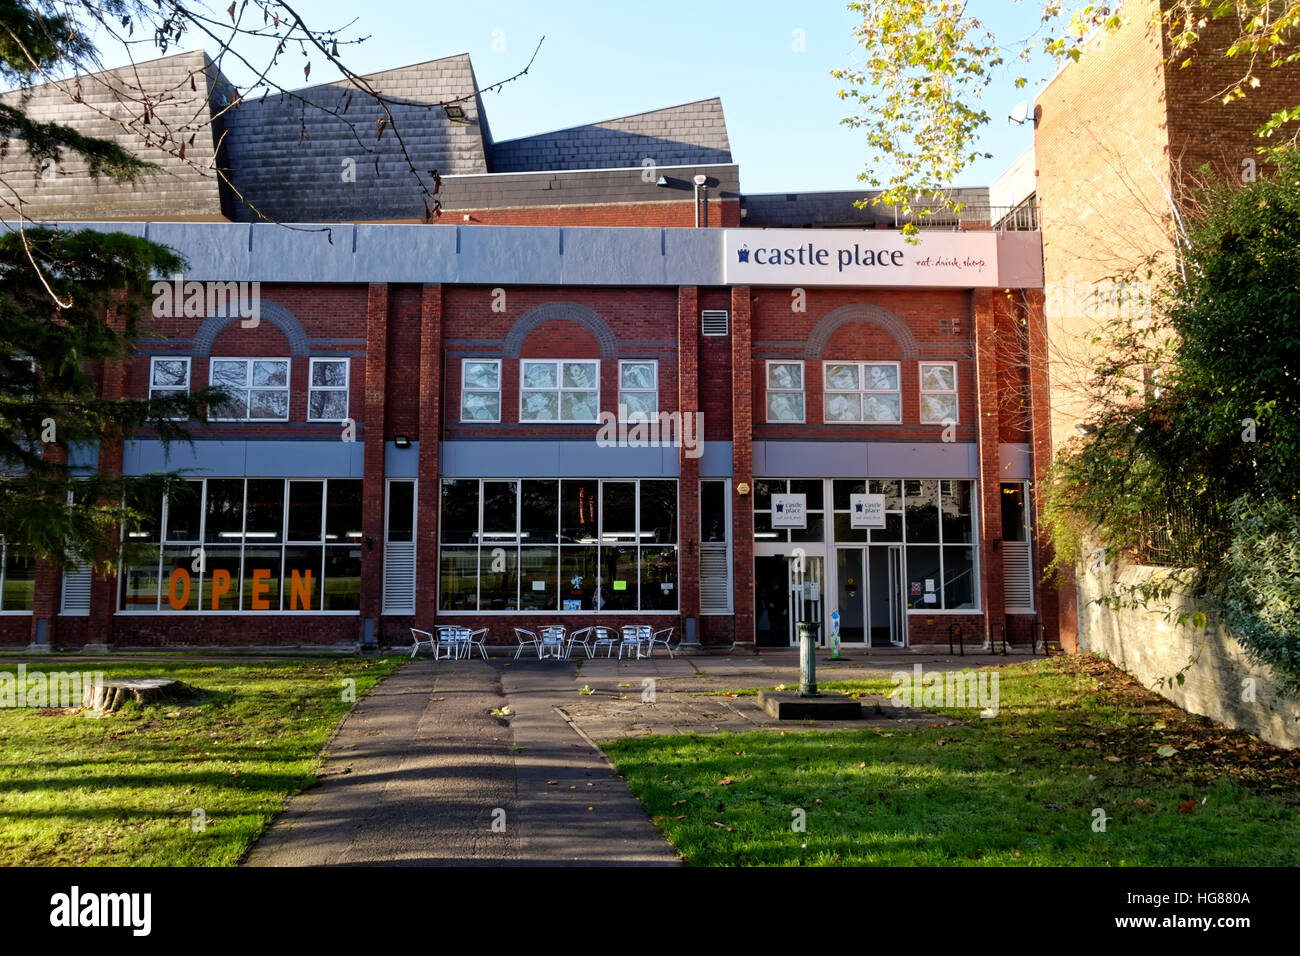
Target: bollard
808	634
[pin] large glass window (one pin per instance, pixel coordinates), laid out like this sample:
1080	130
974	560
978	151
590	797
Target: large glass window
168	376
480	390
249	545
785	399
940	532
638	390
862	392
815	510
558	545
559	391
327	392
17	578
938	393
258	389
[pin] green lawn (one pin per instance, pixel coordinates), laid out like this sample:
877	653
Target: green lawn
1074	735
123	789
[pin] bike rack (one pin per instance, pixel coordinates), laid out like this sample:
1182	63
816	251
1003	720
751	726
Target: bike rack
960	643
1002	630
1038	631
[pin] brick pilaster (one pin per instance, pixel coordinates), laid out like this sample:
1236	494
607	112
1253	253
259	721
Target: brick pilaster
742	466
688	487
375	433
430	413
1047	599
983	328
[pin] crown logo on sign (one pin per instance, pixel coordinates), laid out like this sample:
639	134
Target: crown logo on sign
743	253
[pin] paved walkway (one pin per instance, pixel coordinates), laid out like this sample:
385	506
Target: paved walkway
422	773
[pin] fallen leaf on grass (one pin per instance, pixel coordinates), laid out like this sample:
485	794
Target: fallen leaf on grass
1186	806
725	782
1113	759
1166	751
723	826
682	817
1143	803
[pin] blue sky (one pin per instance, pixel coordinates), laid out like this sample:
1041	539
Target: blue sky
602	60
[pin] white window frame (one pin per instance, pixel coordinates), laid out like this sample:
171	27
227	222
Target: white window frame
802	391
862	392
346	388
640	391
558	391
287	388
189	370
922	391
482	391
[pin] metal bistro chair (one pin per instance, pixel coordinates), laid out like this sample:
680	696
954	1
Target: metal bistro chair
634	635
526	639
419	637
476	639
662	639
581	636
552	641
603	637
454	639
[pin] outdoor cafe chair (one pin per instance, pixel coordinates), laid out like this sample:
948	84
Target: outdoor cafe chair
634	635
581	636
603	637
454	639
552	641
661	639
476	639
419	637
526	639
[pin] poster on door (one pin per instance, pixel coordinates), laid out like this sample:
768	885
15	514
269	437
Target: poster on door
790	511
866	511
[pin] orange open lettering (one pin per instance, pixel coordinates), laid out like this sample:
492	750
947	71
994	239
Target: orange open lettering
220	587
179	602
261	582
300	591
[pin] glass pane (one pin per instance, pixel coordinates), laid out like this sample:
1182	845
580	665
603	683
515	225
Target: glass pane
305	499
540	512
637	375
812	491
882	408
618	585
939	378
265	510
842	488
958	578
137	584
841	407
401	511
580	375
539	375
763	528
481	406
938	408
225	520
268	403
459	521
923	577
878	377
785	406
922	509
578	578
1013	512
618	511
955	512
579	406
639	404
579	511
342	579
540	407
230	374
458	568
892	532
713	511
271	374
658	579
184	510
764	489
178	584
261	579
844	530
816	530
482	375
327	406
301	586
329	374
784	376
343	510
500	511
658	511
891	488
539	579
170	372
236	407
498	578
20	580
221	579
842	377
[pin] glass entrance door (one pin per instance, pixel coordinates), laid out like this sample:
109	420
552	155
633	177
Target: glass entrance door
787	591
850	573
886	614
806	575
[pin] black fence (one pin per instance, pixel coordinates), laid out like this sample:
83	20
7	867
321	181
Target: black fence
1191	534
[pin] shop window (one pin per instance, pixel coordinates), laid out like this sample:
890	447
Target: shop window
862	392
258	389
559	391
765	529
785	392
638	390
480	390
327	393
17	578
938	393
715	548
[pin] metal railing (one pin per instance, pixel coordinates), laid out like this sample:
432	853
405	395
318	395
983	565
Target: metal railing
1021	218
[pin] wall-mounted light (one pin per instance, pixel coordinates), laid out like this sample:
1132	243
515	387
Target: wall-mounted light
455	113
401	441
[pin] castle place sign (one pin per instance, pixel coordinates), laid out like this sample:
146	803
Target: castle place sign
860	257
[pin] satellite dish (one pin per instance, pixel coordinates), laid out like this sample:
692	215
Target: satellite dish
1020	114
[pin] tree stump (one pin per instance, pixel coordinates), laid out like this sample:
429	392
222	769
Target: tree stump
106	696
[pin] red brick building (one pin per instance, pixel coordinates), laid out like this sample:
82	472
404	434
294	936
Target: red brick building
657	400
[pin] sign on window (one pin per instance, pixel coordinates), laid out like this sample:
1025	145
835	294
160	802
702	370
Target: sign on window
790	511
866	511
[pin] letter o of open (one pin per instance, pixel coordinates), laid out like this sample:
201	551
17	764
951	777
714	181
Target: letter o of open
178	603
